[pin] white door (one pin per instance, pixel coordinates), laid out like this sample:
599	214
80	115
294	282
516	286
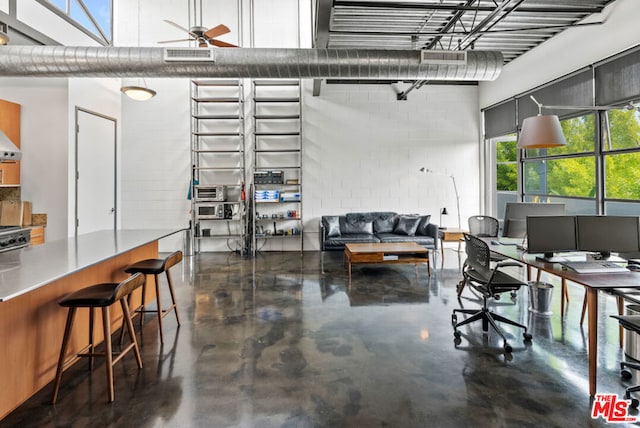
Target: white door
95	172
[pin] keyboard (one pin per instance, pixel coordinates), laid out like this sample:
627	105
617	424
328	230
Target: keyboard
595	267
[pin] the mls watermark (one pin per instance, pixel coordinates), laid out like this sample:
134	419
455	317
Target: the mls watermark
612	409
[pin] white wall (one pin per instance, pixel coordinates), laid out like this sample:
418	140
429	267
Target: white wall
567	52
363	150
44	144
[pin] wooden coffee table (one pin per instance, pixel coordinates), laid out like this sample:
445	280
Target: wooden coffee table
386	253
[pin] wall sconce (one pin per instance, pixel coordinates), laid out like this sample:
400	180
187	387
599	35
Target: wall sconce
4	37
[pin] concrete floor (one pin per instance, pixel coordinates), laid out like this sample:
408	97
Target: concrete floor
283	340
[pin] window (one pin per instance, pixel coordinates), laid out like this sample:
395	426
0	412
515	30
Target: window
506	172
94	17
559	174
621	147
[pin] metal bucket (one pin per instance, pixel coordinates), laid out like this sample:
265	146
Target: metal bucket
631	338
540	294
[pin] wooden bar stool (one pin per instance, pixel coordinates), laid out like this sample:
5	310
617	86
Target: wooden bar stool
155	267
93	297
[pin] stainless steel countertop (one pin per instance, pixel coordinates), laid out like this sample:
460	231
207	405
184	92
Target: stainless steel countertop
27	269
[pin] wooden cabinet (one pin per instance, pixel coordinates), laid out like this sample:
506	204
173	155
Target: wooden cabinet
37	235
10	125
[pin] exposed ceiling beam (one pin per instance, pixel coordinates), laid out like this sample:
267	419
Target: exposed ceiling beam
450	24
463	33
465	7
321	40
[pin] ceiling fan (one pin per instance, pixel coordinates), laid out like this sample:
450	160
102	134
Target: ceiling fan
202	35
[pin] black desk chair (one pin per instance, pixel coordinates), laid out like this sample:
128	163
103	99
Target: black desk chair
630	323
489	283
484	226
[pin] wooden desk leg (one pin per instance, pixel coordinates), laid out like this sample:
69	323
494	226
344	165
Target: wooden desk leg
563	291
620	302
442	249
428	265
592	307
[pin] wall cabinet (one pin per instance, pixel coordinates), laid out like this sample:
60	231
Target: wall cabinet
10	125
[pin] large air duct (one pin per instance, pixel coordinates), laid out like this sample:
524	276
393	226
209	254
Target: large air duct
64	61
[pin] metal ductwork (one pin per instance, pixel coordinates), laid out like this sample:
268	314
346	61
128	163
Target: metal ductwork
65	61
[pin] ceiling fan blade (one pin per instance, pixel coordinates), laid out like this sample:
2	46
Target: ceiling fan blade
221	44
175	41
186	30
216	31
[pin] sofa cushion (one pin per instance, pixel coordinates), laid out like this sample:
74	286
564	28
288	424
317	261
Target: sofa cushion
384	222
425	241
353	238
407	225
424	223
331	224
352	224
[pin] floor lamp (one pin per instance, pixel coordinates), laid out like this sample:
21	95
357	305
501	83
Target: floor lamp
455	189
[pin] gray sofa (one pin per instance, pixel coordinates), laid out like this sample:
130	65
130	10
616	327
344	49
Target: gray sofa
336	231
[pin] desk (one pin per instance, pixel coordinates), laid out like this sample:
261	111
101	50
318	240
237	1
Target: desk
450	235
592	284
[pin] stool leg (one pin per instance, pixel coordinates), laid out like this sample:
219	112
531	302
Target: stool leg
159	302
123	320
106	327
91	344
127	321
63	351
173	296
142	302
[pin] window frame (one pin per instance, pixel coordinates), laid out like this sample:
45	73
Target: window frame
101	38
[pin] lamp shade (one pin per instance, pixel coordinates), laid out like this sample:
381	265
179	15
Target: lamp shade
541	131
138	93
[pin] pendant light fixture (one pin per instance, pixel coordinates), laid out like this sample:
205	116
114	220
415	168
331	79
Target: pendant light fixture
140	91
544	131
541	131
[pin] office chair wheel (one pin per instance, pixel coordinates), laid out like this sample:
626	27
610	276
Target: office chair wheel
527	337
454	320
507	348
625	374
634	401
457	341
457	334
514	295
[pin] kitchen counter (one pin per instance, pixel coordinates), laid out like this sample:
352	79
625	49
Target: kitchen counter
27	269
34	279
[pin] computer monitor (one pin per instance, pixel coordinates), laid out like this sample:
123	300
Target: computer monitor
606	234
515	216
551	234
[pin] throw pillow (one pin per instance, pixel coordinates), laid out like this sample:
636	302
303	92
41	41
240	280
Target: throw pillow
358	227
384	223
424	223
407	225
331	225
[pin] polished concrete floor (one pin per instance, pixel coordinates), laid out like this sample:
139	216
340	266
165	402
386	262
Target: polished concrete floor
283	340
